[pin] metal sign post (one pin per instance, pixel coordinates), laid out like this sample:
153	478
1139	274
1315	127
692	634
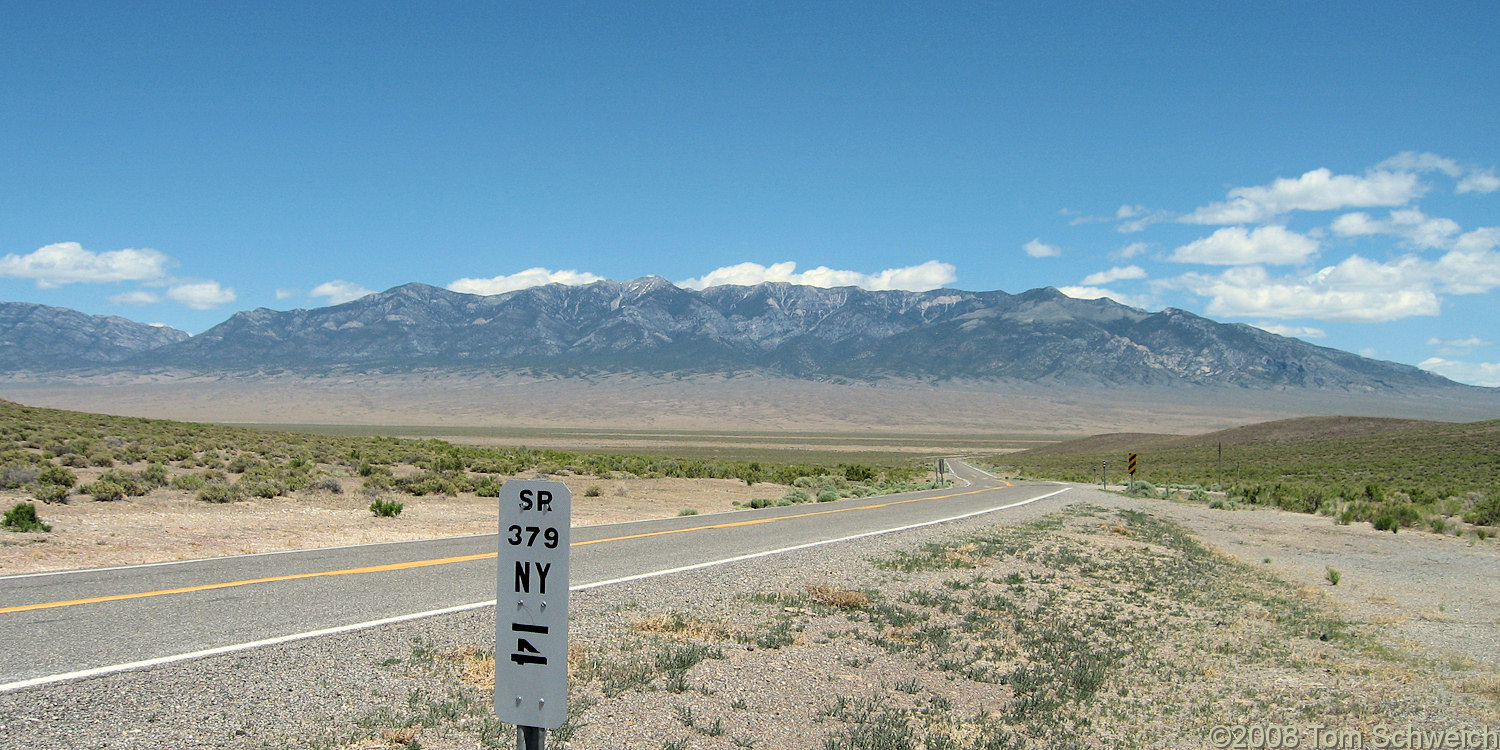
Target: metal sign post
531	609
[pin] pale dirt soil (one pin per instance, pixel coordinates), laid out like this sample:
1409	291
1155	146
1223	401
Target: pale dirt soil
170	524
700	402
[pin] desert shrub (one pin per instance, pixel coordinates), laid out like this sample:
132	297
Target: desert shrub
103	489
385	508
155	475
1438	524
796	496
263	487
1486	512
12	477
593	490
1198	495
52	493
74	460
827	496
102	460
57	475
1333	576
433	483
1387	522
190	482
131	483
1405	515
688	512
757	503
486	486
244	462
220	492
23	517
859	473
1143	489
328	484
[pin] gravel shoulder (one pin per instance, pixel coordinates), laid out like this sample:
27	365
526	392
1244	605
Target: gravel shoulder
1090	620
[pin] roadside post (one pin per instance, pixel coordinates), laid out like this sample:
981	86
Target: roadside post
1132	473
531	609
1104	475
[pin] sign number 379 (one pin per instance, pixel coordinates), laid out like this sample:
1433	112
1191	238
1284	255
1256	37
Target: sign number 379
526	536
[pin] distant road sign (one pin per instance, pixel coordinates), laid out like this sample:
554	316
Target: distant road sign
1132	464
531	604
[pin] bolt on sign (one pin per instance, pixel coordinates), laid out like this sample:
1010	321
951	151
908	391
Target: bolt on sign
531	604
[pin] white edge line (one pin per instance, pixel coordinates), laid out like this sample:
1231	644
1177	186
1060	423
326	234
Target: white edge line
100	671
77	571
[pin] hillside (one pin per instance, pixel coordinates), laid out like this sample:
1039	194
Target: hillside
39	337
1327	455
650	326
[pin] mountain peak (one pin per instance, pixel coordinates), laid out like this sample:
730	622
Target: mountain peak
650	325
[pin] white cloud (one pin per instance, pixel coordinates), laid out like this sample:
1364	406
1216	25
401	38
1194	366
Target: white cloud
1356	290
201	295
1411	224
1474	373
67	263
1318	190
919	278
1411	161
1467	343
1139	222
1132	250
1234	246
339	291
1144	302
522	280
287	293
1118	273
138	297
1128	211
1479	182
1472	266
1038	249
1299	332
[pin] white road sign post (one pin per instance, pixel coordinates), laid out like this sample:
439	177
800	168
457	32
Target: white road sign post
531	609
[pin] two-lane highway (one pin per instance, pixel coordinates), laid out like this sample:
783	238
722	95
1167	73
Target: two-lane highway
74	624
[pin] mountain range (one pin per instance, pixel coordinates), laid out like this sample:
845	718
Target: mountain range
649	325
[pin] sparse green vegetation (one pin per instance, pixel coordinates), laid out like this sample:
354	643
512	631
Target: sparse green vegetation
1393	474
385	508
23	517
44	450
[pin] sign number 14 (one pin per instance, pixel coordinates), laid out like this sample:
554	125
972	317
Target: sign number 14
531	604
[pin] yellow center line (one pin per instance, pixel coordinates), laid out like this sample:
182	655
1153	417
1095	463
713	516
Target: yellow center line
468	558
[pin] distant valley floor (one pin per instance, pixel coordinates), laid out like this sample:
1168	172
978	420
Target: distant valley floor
750	402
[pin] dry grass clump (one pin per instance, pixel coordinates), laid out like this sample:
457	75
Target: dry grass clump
676	623
1487	686
837	598
402	737
475	666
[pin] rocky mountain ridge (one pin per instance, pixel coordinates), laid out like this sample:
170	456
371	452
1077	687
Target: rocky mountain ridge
650	325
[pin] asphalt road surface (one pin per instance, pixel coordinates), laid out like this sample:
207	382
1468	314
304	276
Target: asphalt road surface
61	626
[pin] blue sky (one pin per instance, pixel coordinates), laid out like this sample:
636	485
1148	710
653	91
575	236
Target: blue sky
1323	170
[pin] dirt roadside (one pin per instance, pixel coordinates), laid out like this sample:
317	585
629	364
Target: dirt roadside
169	524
